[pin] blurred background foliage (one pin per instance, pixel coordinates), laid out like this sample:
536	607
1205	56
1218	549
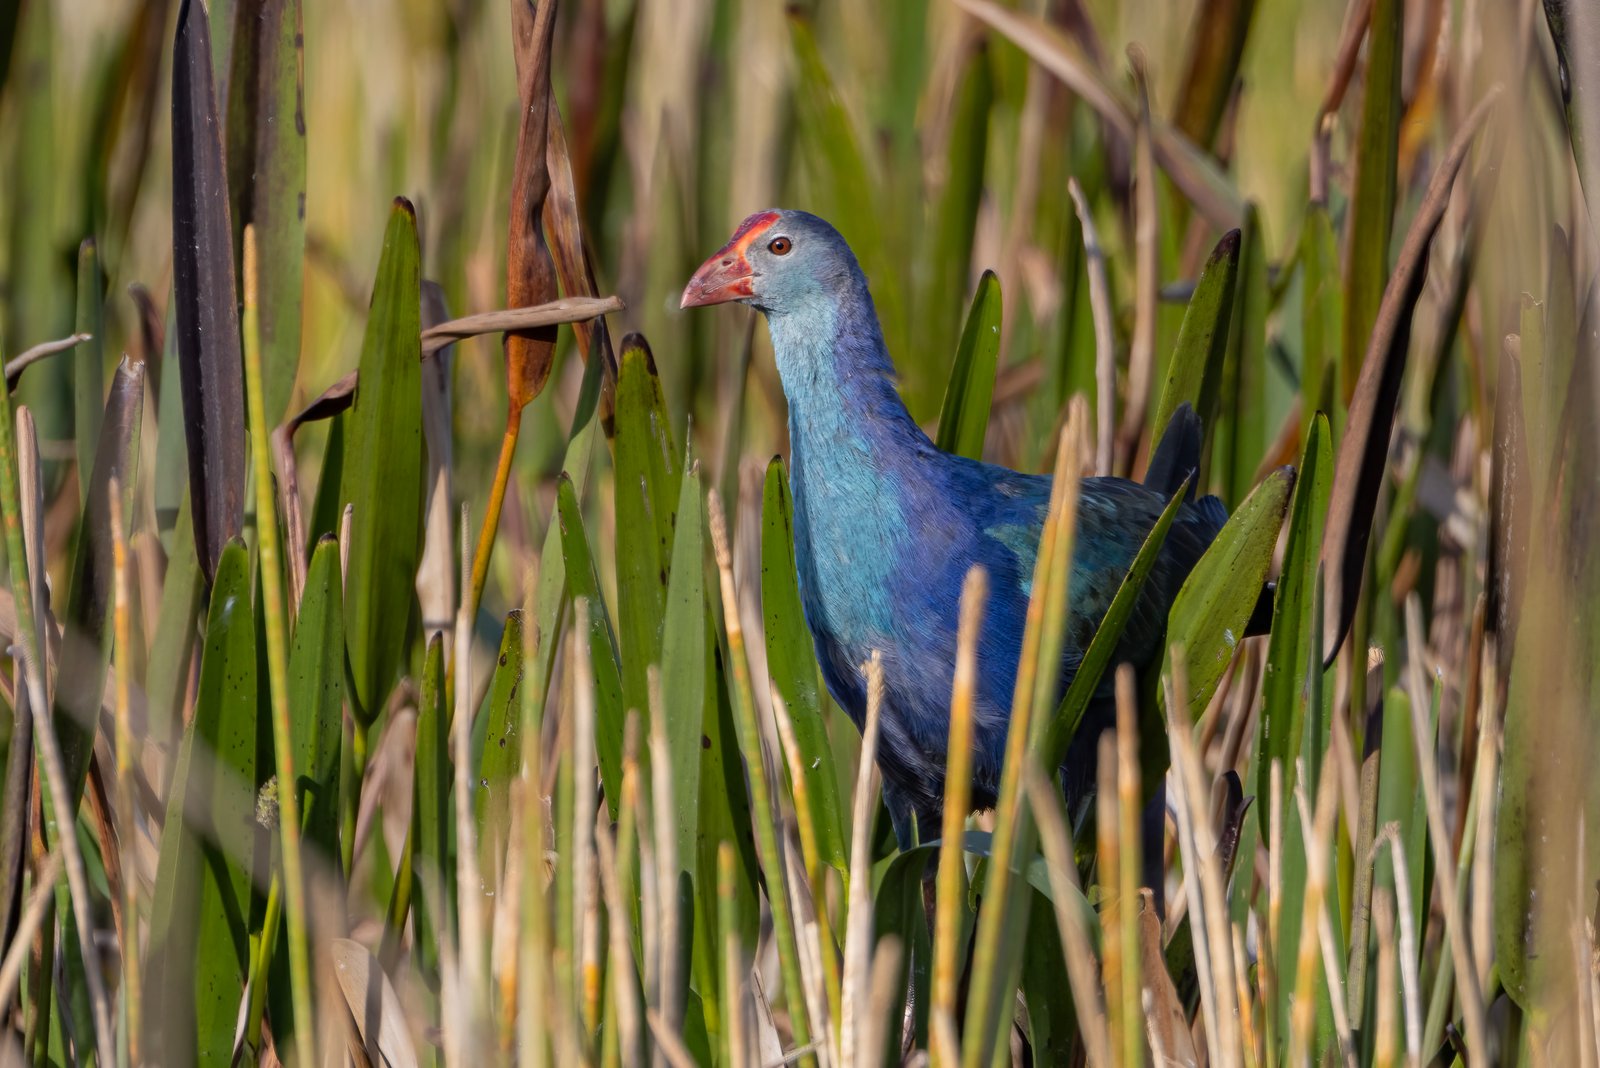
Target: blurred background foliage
682	119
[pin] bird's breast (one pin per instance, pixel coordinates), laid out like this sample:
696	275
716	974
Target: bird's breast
849	538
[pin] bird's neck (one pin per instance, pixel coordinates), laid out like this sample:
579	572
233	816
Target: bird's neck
857	461
839	381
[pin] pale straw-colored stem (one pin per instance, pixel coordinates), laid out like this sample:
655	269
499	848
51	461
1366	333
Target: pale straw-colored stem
858	930
957	793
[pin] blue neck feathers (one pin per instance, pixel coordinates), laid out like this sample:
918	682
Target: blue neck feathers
855	454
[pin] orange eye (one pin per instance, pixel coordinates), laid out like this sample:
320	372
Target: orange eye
779	246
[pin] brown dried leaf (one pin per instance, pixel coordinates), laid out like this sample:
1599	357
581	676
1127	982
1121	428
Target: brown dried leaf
563	225
530	271
1165	1021
373	1005
1359	470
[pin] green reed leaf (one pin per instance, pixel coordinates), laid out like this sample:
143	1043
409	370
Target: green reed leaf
205	903
1209	614
1289	652
685	663
432	814
1103	646
584	581
501	752
792	665
646	503
1194	374
1372	202
964	417
381	473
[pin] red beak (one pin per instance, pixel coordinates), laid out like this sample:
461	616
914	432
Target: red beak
728	275
724	277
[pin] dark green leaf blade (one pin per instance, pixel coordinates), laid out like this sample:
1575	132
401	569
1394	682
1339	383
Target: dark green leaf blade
964	416
1238	438
500	719
431	812
316	680
1372	202
1195	371
316	698
945	266
278	197
1322	318
1220	30
646	503
1103	645
584	583
382	472
830	149
1209	614
203	902
792	665
684	664
1289	652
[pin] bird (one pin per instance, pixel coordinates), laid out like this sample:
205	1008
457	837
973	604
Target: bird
887	526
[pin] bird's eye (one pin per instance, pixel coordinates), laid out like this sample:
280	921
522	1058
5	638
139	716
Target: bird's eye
780	246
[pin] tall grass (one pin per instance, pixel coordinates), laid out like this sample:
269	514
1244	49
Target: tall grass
382	693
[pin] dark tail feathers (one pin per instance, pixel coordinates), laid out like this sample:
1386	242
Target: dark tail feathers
1176	455
1175	458
1261	616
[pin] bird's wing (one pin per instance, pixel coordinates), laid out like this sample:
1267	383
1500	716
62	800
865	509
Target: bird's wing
1115	516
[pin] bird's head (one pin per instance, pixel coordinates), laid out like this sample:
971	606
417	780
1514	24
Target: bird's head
777	261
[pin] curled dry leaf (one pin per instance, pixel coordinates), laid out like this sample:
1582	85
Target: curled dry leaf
530	271
373	1005
563	229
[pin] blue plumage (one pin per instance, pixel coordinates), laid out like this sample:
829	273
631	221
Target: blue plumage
887	526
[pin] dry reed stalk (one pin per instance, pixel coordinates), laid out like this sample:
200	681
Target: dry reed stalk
505	953
1318	836
469	884
825	952
735	992
1582	956
44	890
1410	977
1105	344
1488	780
1124	1034
1203	882
858	929
881	1007
1082	967
958	782
811	978
1250	1041
1470	993
127	822
1129	798
1147	282
1386	1038
671	994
